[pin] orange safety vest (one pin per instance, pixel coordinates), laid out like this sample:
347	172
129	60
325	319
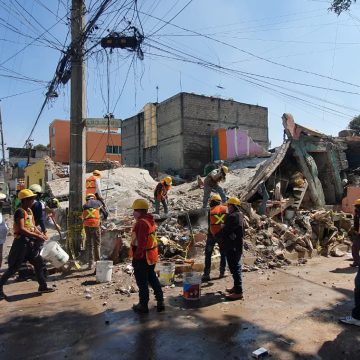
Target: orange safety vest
28	220
217	218
91	217
162	194
90	185
151	250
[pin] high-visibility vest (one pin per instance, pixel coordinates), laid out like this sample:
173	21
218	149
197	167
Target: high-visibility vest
90	185
164	189
217	218
91	217
28	221
151	249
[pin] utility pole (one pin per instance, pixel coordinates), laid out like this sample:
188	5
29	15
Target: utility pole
77	128
2	141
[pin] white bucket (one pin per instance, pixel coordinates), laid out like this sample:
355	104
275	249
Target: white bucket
53	252
192	286
166	273
104	270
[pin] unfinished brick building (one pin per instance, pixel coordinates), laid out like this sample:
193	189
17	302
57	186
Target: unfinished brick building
176	134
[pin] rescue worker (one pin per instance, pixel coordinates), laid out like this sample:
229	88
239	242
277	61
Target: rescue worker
355	248
144	251
211	184
231	243
26	244
93	186
38	208
91	222
3	228
160	194
216	219
354	318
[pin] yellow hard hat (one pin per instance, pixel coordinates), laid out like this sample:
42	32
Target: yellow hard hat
25	193
96	173
234	201
168	180
357	202
215	197
225	169
140	204
90	196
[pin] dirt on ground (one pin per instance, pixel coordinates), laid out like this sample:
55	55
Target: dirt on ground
292	312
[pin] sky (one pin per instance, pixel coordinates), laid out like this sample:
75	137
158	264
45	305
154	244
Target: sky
289	56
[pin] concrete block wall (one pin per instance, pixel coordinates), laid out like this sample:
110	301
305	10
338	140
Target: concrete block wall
132	136
185	123
170	138
202	115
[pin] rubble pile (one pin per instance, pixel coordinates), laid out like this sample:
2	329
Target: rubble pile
57	170
319	230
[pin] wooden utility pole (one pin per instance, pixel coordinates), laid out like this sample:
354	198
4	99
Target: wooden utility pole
77	129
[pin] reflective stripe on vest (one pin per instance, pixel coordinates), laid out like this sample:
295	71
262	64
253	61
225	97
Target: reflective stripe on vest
217	218
90	185
151	249
91	217
28	222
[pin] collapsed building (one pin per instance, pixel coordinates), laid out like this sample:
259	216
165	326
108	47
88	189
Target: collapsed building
292	201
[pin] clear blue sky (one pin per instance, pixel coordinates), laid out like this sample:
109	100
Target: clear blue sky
221	49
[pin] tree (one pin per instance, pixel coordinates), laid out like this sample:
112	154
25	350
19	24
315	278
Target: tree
354	124
338	6
40	147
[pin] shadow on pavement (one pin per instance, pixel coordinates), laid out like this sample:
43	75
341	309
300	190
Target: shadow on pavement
13	298
347	270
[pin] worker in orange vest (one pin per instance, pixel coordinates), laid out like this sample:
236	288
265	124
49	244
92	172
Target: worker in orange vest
160	194
216	220
93	186
91	222
144	251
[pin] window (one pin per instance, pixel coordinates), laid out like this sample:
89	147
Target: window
52	131
53	152
113	149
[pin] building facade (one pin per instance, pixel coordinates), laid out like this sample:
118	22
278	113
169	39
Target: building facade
176	134
101	145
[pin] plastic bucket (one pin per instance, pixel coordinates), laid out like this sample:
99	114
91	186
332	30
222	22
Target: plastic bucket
192	286
53	252
166	273
104	270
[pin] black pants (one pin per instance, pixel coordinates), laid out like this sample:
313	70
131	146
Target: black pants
233	259
356	310
24	249
209	248
145	275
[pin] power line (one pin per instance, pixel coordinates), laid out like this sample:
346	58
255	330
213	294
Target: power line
254	55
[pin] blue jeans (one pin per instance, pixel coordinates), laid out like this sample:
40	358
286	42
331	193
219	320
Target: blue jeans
356	310
207	192
209	248
145	275
233	259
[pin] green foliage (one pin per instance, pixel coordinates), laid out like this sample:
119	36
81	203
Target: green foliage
40	147
338	6
354	124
